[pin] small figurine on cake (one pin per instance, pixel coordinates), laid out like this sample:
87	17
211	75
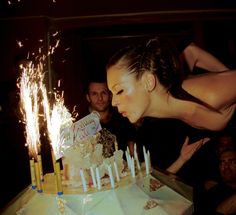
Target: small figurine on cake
88	146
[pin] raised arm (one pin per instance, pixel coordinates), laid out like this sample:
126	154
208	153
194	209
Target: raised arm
186	153
196	56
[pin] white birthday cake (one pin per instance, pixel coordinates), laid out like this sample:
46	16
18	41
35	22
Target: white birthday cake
95	180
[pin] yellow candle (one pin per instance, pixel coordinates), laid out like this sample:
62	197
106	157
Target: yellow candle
32	173
40	167
53	161
38	181
58	178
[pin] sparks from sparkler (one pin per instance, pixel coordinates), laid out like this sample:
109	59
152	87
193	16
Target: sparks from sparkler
19	43
29	91
57	118
52	48
31	84
55	34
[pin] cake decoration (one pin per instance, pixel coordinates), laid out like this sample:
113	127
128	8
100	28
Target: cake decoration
151	203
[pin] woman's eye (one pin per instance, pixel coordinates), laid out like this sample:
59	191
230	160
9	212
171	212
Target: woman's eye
119	92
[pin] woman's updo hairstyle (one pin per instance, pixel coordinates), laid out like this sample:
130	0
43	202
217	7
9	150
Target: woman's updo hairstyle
158	56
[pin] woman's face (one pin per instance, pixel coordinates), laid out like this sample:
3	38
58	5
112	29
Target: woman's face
128	93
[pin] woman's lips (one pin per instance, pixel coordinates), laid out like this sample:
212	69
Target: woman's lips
123	114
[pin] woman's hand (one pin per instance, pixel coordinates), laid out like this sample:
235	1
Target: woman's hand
188	150
186	153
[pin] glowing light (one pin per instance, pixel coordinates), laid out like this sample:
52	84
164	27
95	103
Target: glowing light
57	118
55	34
57	43
19	43
54	47
32	93
33	97
29	106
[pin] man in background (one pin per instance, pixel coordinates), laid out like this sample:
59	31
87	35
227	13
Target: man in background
221	198
99	99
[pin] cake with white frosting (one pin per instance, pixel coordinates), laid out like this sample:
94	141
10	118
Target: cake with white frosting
120	188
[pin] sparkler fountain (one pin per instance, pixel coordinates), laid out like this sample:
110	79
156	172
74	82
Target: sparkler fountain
30	110
32	90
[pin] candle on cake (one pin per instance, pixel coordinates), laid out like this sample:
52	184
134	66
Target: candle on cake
53	161
38	180
32	174
116	172
136	157
93	177
58	179
132	168
127	155
98	178
111	176
146	160
57	118
39	159
83	180
149	161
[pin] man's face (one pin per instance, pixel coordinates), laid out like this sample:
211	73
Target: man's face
227	166
98	96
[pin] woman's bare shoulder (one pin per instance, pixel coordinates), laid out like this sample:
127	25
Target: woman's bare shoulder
213	87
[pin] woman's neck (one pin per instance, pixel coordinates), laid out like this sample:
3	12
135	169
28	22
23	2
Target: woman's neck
164	105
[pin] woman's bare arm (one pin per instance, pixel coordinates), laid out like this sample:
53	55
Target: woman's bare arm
196	56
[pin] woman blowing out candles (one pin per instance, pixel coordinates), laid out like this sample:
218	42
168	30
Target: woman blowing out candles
147	80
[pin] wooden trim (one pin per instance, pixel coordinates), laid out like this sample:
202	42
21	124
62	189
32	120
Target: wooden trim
143	18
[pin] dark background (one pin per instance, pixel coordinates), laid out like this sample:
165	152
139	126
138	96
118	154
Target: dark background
89	32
